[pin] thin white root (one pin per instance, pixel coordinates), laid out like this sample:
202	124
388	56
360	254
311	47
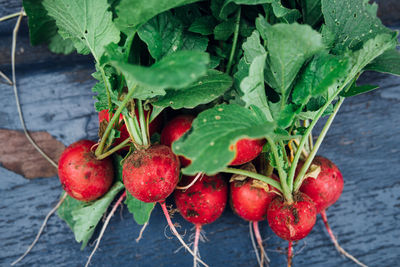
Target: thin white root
40	230
6	78
198	176
175	232
14	82
141	232
103	229
253	242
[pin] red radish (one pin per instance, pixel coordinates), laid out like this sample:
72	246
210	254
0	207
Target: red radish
250	201
325	190
202	203
327	187
174	130
246	150
151	175
292	221
124	134
82	176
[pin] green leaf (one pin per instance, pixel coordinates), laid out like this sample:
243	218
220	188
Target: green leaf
88	23
288	47
83	217
352	23
252	86
101	97
203	25
203	91
284	14
230	6
370	50
177	71
324	74
357	90
388	62
133	13
224	30
209	142
312	14
60	46
141	211
162	34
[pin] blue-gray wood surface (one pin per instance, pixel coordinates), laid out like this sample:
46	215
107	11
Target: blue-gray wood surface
56	97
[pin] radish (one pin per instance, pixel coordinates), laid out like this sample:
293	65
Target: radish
202	203
151	175
246	150
250	199
174	130
104	115
82	176
325	190
292	221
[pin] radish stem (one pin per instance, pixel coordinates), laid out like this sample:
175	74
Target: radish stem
234	41
114	149
336	243
196	244
143	124
282	174
113	120
175	232
121	198
6	78
41	229
254	175
300	177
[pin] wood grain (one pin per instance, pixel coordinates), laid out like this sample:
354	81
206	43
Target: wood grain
18	155
56	98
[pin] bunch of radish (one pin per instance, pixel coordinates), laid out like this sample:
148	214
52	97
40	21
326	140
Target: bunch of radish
239	87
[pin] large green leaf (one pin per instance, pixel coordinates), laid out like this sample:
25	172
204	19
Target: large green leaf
252	86
209	142
288	47
83	217
311	10
88	23
164	35
352	23
323	75
203	25
133	13
357	90
388	62
177	70
141	211
43	28
203	91
229	6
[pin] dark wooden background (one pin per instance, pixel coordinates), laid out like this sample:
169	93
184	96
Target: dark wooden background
56	98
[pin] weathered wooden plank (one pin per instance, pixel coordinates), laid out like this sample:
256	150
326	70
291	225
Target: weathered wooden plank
55	96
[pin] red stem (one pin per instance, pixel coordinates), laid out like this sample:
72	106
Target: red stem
336	243
290	254
196	244
175	232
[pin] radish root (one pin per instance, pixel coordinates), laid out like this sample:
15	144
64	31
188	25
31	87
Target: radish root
196	244
40	230
141	232
254	243
175	232
6	78
336	243
290	254
263	254
198	176
121	198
